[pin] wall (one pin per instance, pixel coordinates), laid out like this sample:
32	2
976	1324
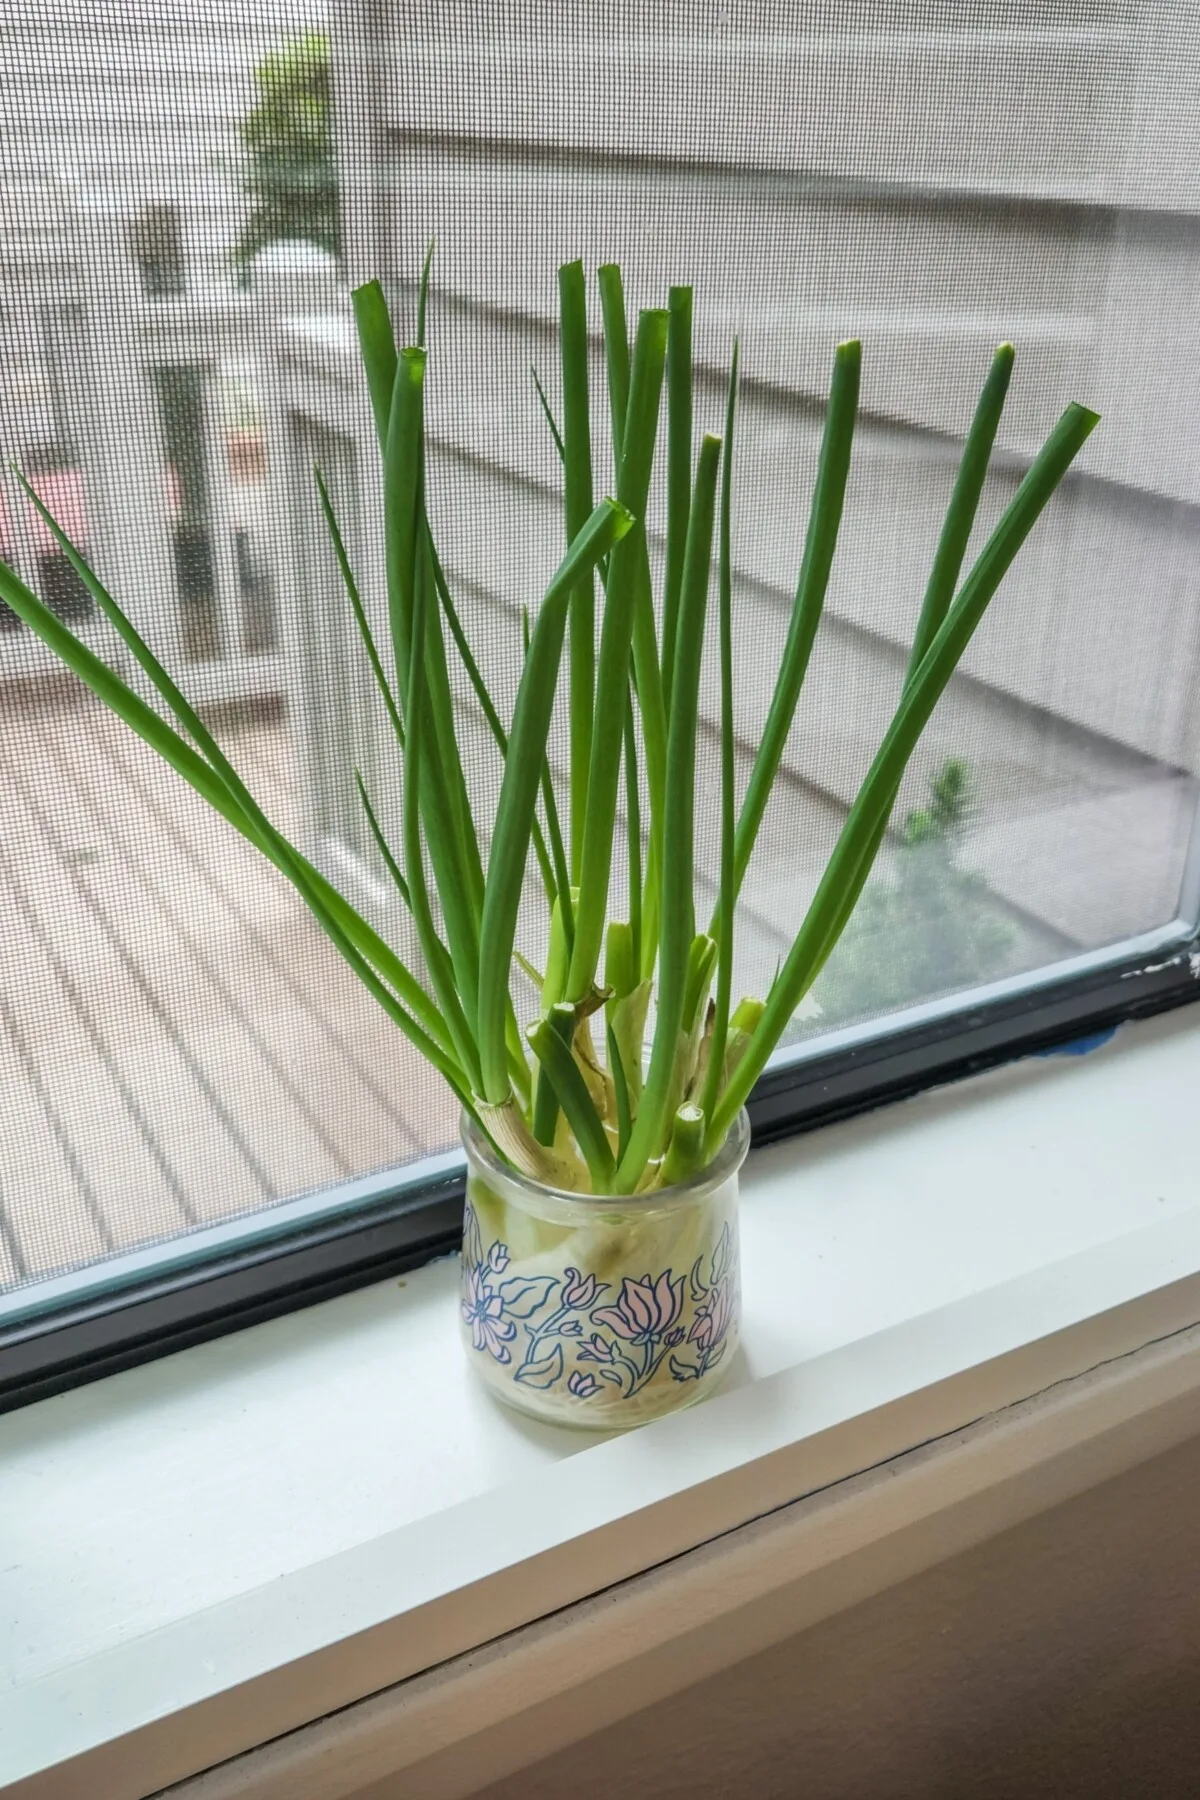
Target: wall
1061	1659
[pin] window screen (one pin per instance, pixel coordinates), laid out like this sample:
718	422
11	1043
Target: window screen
189	191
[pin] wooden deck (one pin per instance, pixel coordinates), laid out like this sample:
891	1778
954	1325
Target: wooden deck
178	1042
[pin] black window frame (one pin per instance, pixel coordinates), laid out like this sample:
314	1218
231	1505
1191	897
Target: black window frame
412	1223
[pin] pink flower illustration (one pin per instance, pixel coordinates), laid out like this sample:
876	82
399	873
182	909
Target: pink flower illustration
646	1309
583	1385
483	1312
713	1319
597	1349
581	1291
497	1260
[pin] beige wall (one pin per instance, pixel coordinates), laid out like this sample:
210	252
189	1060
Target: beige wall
1060	1659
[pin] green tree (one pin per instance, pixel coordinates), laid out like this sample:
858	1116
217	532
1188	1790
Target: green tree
929	928
290	171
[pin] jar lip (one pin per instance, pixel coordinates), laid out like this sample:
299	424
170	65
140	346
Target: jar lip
727	1162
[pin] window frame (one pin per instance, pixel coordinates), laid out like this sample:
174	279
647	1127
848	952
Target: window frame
59	1334
409	1217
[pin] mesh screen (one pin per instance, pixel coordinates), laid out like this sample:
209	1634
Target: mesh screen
189	190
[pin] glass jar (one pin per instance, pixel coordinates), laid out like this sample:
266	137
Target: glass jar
597	1310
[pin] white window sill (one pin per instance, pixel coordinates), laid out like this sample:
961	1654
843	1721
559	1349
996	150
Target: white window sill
208	1552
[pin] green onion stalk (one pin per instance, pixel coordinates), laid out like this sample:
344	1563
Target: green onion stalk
639	1060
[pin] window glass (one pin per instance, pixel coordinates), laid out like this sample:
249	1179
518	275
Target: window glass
190	190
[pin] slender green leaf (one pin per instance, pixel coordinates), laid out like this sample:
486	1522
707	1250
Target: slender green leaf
649	690
621	1091
651	902
423	293
608	526
702	959
679	468
620	966
829	494
545	1109
381	844
487	705
377	346
536	980
564	1074
616	349
449	834
449	765
545	1101
419	718
558	855
633	483
577	474
633	836
964	503
653	715
402	477
360	615
678	923
555	433
725	905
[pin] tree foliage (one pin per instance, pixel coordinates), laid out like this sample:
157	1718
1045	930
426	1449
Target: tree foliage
291	171
926	929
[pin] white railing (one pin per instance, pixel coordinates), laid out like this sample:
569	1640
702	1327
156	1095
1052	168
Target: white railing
123	420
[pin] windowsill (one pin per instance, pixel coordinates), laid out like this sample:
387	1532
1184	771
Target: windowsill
209	1551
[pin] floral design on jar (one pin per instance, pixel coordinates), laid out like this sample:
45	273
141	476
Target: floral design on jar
559	1333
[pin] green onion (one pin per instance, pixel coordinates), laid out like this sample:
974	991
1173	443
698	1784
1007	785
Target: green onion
359	610
685	1153
679	467
488	708
621	1090
633	835
678	915
612	677
558	855
419	719
833	469
551	1045
725	904
607	527
616	348
555	433
381	843
622	1126
577	473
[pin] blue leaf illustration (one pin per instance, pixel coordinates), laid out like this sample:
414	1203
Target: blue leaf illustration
544	1372
722	1254
472	1239
683	1371
525	1293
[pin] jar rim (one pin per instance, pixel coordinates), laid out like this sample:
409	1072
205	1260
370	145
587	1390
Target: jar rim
728	1160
